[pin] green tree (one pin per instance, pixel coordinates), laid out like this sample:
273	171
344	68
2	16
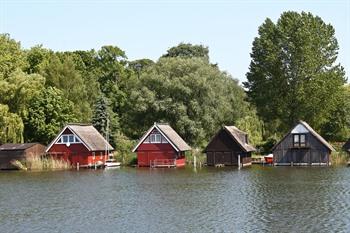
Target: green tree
18	90
60	72
47	114
102	113
188	50
190	94
11	126
37	57
11	56
293	74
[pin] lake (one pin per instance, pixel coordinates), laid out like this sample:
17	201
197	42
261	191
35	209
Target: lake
256	199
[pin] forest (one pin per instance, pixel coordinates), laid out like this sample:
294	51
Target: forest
294	75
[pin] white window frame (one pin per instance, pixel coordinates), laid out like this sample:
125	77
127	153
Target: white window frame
68	138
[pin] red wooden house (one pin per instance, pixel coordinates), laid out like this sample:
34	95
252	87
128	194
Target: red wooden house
79	143
161	146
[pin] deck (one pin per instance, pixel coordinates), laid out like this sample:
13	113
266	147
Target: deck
158	163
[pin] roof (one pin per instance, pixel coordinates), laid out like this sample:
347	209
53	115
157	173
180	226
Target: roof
312	131
88	135
169	133
19	146
239	137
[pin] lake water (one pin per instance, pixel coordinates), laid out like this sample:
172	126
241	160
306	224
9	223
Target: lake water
256	199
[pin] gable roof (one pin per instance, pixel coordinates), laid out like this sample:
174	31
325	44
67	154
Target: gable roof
88	135
346	146
18	146
170	135
238	136
312	131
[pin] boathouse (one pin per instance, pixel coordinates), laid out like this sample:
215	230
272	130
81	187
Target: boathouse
230	147
80	144
161	146
346	146
302	146
10	152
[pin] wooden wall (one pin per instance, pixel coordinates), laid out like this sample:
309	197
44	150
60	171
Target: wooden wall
224	150
314	152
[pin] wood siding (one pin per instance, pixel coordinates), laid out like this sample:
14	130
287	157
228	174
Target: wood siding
222	149
313	153
148	152
6	156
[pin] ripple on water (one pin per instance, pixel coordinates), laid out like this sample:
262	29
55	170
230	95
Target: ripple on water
257	199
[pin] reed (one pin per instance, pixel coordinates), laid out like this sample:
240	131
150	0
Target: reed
41	164
339	158
200	156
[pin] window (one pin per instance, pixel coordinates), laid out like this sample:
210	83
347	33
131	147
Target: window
299	140
155	138
68	138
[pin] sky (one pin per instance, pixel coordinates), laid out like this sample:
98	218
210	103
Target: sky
146	29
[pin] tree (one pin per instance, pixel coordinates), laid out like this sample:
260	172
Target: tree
18	90
11	126
293	74
190	94
188	50
60	72
47	114
37	57
102	113
11	56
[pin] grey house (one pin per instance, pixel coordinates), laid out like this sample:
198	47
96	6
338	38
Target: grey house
302	146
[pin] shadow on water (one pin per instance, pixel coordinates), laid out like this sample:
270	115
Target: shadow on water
264	199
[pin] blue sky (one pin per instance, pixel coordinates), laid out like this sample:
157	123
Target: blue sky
146	29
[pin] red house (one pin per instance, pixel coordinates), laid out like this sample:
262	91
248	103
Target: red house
161	146
79	143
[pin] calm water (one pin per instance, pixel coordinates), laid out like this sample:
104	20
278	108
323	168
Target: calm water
257	199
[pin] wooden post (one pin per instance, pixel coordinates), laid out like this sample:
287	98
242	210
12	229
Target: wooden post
78	166
239	161
95	166
194	161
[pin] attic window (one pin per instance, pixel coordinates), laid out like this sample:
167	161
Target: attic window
299	140
156	138
68	138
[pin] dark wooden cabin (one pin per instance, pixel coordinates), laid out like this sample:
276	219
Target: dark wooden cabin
161	146
9	152
346	146
302	146
229	146
80	144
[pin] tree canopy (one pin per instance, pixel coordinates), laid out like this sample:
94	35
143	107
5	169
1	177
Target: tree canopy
293	74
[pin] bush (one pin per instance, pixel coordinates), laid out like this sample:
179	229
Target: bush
124	148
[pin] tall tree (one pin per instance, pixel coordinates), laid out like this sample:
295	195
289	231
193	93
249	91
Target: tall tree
103	113
47	114
293	73
60	72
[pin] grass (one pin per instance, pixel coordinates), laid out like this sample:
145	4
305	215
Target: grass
41	163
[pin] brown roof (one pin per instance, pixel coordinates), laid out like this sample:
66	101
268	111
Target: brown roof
19	146
312	131
89	135
170	134
240	137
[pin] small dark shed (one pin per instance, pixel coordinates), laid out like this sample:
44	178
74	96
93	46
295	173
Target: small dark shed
9	152
302	146
346	146
229	146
